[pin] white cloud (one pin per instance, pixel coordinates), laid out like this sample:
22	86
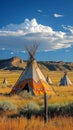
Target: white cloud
3	49
16	36
12	53
24	28
11	33
22	51
57	15
69	28
40	11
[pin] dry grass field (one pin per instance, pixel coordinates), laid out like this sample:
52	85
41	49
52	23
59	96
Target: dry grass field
61	123
62	95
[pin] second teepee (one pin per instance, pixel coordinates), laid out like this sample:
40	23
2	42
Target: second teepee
49	81
65	81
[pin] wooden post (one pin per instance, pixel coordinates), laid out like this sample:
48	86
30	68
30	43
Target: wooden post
45	108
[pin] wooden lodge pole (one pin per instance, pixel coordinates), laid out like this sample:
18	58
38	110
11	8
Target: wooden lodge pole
45	108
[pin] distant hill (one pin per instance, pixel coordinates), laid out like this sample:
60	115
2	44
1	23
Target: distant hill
58	66
16	63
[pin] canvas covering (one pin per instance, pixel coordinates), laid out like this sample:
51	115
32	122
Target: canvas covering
65	81
34	78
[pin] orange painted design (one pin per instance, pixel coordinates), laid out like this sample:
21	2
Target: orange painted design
38	88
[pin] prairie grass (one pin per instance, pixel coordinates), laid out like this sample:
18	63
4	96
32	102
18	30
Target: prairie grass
62	95
55	76
11	76
60	123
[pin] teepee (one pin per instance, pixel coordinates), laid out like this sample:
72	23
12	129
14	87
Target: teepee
49	81
65	81
4	81
32	78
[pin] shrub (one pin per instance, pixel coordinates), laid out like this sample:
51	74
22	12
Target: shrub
52	109
67	109
29	109
3	85
5	105
25	94
63	109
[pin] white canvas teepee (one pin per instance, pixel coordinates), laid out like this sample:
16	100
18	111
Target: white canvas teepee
65	81
32	78
49	81
4	81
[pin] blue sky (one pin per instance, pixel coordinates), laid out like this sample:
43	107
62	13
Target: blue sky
48	22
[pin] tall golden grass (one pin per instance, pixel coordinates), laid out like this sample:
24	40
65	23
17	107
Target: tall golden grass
60	123
12	76
63	95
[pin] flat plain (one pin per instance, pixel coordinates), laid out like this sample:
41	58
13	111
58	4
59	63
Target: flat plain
63	95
